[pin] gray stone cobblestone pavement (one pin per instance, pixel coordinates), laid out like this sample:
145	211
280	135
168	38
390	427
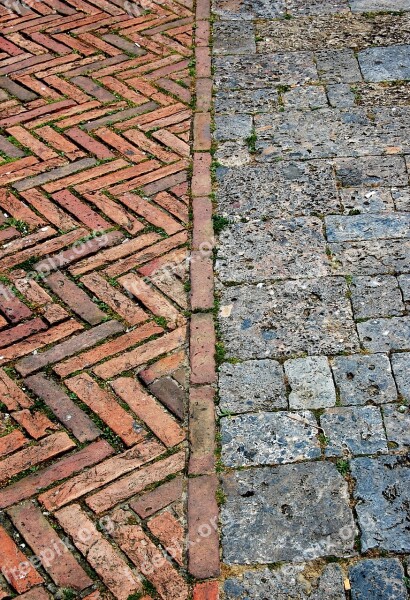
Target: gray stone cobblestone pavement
312	143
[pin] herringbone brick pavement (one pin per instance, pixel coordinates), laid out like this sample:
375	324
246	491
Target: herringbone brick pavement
94	167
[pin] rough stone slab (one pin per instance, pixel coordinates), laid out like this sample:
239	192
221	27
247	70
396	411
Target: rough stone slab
288	317
286	583
288	188
376	297
233	153
379	579
295	512
249	9
385	64
353	431
232	127
404	283
246	101
276	249
233	38
252	385
340	95
397	422
342	228
366	200
311	382
371	171
383	493
269	438
373	5
401	196
332	132
302	97
338	66
371	258
363	379
401	369
382	335
316	7
263	70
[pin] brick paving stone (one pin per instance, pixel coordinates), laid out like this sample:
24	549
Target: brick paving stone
150	502
169	532
12	560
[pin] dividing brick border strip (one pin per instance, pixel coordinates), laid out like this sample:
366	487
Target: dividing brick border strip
203	551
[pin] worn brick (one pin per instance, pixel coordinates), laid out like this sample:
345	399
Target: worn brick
202	349
76	299
202	430
165	494
15	566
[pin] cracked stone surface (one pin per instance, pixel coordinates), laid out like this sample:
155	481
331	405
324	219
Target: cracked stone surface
401	370
311	383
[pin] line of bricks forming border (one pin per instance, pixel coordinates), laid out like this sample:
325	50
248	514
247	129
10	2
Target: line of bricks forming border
203	558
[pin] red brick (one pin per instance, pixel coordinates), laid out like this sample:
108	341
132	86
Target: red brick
203	232
148	559
21	331
36	424
202	33
101	474
206	591
202	430
149	411
59	563
170	533
105	406
172	205
99	553
202	131
165	366
37	593
15	566
203	551
201	177
172	141
11	395
31	114
203	11
136	482
11	306
79	209
116	141
33	455
202	281
151	213
90	144
11	442
202	354
115	212
203	62
170	394
159	498
64	467
29	141
58	141
72	417
142	354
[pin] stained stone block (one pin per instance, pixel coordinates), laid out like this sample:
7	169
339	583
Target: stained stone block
382	335
283	189
385	64
383	494
286	583
401	370
332	132
378	579
272	250
338	66
371	171
365	200
293	512
372	257
269	438
342	228
264	70
233	38
397	422
376	297
233	127
374	5
401	197
247	101
340	95
311	382
363	379
307	96
288	317
233	154
251	385
353	431
249	9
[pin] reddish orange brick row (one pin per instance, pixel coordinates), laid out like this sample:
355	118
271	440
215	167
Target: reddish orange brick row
97	488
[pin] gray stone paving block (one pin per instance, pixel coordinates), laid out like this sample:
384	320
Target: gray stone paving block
233	37
286	583
382	335
290	512
252	385
307	96
338	66
233	154
401	197
343	228
373	5
246	101
401	370
331	132
353	431
276	249
311	382
376	297
378	579
288	188
316	7
249	9
366	200
397	422
288	317
383	493
372	257
340	95
364	378
264	70
371	171
404	283
385	64
268	438
232	127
